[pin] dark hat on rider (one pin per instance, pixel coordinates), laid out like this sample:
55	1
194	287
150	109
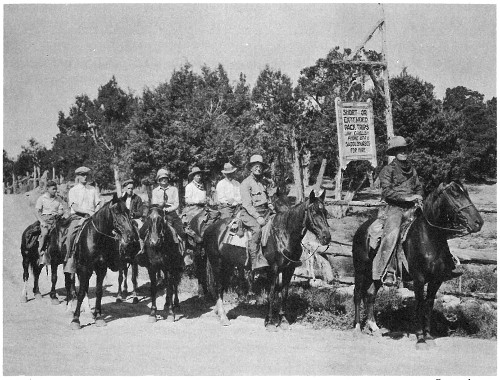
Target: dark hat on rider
128	182
256	159
228	168
396	143
82	170
195	170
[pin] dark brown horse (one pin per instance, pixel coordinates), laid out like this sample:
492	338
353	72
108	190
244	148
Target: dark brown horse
447	211
98	249
161	254
282	251
127	255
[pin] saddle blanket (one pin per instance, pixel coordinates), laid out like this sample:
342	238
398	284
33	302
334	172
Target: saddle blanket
241	240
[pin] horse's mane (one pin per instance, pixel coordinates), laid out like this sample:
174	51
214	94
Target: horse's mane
291	217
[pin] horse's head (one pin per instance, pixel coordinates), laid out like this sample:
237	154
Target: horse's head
316	217
450	204
157	226
122	223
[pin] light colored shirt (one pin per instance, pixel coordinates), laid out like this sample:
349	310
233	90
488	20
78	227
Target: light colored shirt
253	194
168	195
48	206
228	192
194	195
127	202
86	198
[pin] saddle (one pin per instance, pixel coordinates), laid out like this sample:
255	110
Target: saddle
376	229
236	234
209	217
32	233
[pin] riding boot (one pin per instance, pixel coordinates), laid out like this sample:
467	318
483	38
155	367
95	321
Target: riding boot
258	260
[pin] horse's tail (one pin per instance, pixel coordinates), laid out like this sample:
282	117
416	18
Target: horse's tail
210	280
361	255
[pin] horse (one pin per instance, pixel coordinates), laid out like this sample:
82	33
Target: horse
446	212
162	254
29	252
97	250
282	251
127	255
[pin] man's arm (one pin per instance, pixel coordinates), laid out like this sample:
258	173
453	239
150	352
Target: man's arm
386	183
246	200
38	209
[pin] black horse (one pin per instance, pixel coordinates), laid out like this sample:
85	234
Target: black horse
161	254
29	252
447	211
97	250
283	251
127	254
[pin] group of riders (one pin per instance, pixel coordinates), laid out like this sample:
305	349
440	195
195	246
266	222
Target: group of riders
249	202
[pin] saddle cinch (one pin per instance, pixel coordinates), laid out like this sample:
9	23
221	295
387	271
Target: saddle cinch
375	232
237	235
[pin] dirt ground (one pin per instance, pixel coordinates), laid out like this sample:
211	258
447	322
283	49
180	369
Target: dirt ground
37	340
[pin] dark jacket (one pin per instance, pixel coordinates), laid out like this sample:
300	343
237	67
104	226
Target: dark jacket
136	208
397	184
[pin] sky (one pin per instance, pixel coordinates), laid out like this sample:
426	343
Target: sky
52	53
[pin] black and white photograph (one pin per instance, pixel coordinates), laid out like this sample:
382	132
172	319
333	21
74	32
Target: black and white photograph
249	189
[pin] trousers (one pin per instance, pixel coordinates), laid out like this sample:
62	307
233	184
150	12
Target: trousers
251	223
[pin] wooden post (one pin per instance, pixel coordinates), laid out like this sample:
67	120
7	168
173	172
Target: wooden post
388	104
319	178
53	173
297	170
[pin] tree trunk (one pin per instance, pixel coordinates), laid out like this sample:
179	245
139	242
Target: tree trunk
337	209
319	178
306	173
118	185
369	173
54	173
297	172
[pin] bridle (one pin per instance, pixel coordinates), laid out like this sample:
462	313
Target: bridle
117	231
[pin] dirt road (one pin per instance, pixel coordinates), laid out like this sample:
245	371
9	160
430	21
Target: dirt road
37	339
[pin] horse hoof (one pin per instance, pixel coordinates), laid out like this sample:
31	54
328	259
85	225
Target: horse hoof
170	318
285	326
38	296
75	325
100	322
152	319
54	301
119	300
271	328
421	346
430	342
135	300
23	299
225	322
357	333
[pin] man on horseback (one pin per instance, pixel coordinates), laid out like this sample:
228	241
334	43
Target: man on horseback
256	208
48	210
134	204
228	192
167	197
83	201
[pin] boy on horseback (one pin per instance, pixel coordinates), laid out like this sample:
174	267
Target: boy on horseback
83	201
48	210
256	208
228	192
134	204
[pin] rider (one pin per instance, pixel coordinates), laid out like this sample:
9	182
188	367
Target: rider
48	210
134	204
83	201
228	192
195	195
256	207
167	197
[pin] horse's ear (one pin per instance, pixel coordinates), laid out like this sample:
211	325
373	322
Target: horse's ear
312	196
115	198
322	194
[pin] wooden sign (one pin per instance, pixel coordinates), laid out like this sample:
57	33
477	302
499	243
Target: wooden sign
356	132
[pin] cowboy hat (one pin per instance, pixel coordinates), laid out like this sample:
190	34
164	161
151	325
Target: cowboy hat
194	171
128	182
162	173
82	170
395	143
256	159
228	168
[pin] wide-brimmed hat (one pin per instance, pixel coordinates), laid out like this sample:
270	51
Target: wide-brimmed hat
162	173
128	182
395	143
82	170
195	170
256	159
228	168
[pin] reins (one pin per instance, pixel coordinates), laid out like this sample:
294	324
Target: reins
102	233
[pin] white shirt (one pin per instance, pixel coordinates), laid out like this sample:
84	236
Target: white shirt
228	192
194	194
85	197
170	192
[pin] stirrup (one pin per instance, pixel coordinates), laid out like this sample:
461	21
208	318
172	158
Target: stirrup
390	279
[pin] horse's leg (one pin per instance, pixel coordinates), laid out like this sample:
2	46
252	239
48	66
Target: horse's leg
371	294
69	285
420	313
287	277
119	295
53	277
37	269
268	322
99	320
26	276
359	294
221	284
432	289
125	286
82	292
135	272
200	265
169	295
152	278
